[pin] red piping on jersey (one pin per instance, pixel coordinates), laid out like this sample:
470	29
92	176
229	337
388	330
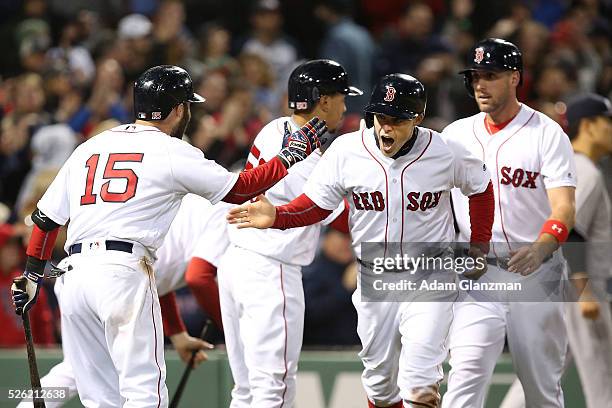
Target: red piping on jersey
285	321
478	140
501	215
253	182
386	188
299	212
402	183
155	342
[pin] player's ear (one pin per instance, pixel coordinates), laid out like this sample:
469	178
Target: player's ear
419	119
516	78
324	103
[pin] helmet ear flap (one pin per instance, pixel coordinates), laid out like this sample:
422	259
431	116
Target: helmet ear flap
467	82
369	119
315	94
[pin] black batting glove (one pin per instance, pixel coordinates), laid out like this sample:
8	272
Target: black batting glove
301	143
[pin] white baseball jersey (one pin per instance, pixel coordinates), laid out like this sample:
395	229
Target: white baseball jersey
199	229
127	183
528	156
295	246
399	200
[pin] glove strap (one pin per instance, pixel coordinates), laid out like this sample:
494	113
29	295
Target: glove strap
287	157
34	269
33	276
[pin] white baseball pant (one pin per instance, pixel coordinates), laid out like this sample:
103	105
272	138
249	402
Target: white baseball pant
590	343
403	346
262	306
536	337
112	329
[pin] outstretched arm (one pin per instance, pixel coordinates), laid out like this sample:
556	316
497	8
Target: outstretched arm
296	147
174	328
262	214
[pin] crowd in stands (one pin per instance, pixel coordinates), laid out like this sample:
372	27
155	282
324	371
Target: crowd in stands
67	69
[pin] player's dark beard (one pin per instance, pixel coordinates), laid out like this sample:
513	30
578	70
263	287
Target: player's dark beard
179	130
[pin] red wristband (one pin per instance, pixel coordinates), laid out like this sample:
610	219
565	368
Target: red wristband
557	229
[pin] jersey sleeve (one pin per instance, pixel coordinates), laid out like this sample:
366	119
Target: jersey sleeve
470	174
324	186
193	173
55	203
558	168
267	144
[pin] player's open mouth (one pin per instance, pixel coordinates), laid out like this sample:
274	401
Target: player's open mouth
386	142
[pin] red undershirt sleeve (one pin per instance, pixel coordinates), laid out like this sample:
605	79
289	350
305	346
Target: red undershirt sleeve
173	323
300	212
253	182
482	212
41	243
200	277
341	222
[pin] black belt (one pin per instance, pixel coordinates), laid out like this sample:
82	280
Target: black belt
110	246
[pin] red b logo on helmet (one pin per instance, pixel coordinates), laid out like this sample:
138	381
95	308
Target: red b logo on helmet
478	55
390	93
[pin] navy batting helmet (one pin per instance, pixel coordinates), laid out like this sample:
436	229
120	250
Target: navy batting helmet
159	89
493	54
396	95
314	78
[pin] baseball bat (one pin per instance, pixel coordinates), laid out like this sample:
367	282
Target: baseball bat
181	387
21	283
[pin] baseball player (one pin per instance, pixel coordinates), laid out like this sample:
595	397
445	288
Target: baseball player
120	191
589	321
534	179
397	178
260	281
197	233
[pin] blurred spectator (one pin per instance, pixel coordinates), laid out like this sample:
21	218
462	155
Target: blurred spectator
350	45
63	96
215	88
12	258
329	282
554	83
105	100
23	115
258	74
134	48
411	42
174	42
213	53
227	135
50	147
570	43
533	41
76	57
268	40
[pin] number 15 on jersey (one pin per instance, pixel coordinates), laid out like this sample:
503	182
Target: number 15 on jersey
110	173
